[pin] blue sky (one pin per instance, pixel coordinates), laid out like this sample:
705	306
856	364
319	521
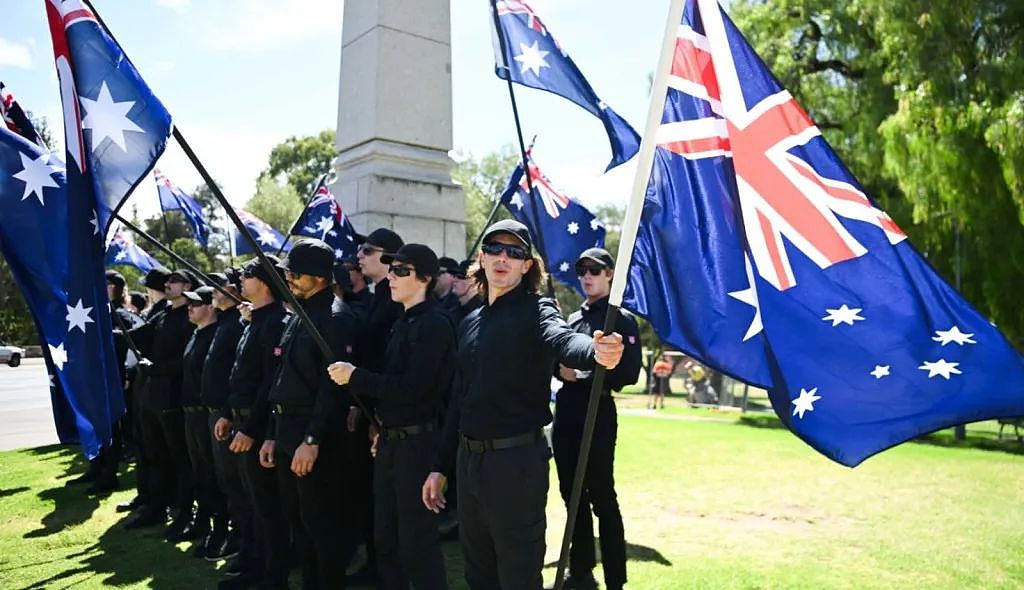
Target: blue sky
240	76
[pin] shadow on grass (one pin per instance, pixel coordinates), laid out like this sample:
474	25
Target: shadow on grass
634	552
12	491
938	439
71	506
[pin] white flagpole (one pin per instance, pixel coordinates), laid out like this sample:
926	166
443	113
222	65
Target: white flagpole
629	229
645	158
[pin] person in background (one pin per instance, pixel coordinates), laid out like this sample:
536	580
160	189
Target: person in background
443	288
662	372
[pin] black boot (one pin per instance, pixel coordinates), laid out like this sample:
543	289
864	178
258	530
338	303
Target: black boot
181	528
147	516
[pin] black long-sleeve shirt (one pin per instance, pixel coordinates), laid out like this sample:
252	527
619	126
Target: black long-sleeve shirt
572	398
378	317
256	361
418	369
193	361
464	309
163	340
302	380
506	351
221	358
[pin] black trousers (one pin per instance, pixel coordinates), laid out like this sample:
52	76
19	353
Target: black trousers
598	489
209	499
269	552
227	467
323	537
169	477
408	547
143	486
502	495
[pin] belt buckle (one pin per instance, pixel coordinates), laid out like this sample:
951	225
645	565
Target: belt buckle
278	409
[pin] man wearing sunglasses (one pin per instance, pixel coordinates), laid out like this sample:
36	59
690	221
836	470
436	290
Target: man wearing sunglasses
594	268
409	392
445	280
467	297
493	436
310	446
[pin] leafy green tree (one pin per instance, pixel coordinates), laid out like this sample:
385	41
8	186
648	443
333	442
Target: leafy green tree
300	161
278	205
923	102
483	179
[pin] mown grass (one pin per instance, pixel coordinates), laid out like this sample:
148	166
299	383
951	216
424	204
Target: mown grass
707	504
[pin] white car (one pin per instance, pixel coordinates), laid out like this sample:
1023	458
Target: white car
11	354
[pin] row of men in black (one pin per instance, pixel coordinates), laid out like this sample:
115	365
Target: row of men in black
308	430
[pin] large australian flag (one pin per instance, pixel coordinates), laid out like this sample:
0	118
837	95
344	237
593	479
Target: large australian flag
324	219
559	224
268	238
537	60
114	130
760	254
123	250
173	198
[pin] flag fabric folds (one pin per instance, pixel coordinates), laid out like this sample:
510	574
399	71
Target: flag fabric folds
123	250
567	228
268	238
537	60
16	119
760	254
173	198
324	219
114	127
56	256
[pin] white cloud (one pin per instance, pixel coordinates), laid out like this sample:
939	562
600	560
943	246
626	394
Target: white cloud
15	55
262	25
175	5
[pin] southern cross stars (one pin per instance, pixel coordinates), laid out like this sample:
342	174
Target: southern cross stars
880	371
78	316
531	58
37	174
573	228
843	315
58	355
108	119
516	201
953	334
749	296
941	367
266	237
805	403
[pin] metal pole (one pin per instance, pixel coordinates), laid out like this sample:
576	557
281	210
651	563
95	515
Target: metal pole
519	136
177	258
312	195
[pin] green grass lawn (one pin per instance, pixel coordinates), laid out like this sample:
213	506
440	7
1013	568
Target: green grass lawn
708	504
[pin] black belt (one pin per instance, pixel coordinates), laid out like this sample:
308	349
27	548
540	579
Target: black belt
282	409
496	444
401	432
195	409
240	412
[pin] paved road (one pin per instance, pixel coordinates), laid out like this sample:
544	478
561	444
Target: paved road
26	419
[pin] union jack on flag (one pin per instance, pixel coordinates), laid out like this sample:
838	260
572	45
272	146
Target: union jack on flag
325	219
760	254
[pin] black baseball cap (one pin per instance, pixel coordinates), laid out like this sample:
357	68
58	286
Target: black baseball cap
598	255
340	274
202	295
185	274
254	268
383	238
511	227
115	278
464	267
422	259
448	264
310	257
156	278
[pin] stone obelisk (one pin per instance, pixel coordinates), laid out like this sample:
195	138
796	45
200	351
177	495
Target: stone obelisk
395	123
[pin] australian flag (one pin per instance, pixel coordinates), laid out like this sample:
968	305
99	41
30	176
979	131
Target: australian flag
760	254
123	250
173	198
16	119
324	219
566	229
537	60
268	238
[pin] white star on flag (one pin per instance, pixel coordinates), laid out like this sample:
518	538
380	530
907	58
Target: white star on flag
517	201
573	228
95	223
339	253
940	367
564	267
531	58
121	255
749	296
78	316
266	238
37	174
108	119
843	315
595	223
953	334
58	355
880	371
805	403
324	225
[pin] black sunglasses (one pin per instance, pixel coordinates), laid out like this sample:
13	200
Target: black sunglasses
401	271
496	248
458	275
367	250
593	270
